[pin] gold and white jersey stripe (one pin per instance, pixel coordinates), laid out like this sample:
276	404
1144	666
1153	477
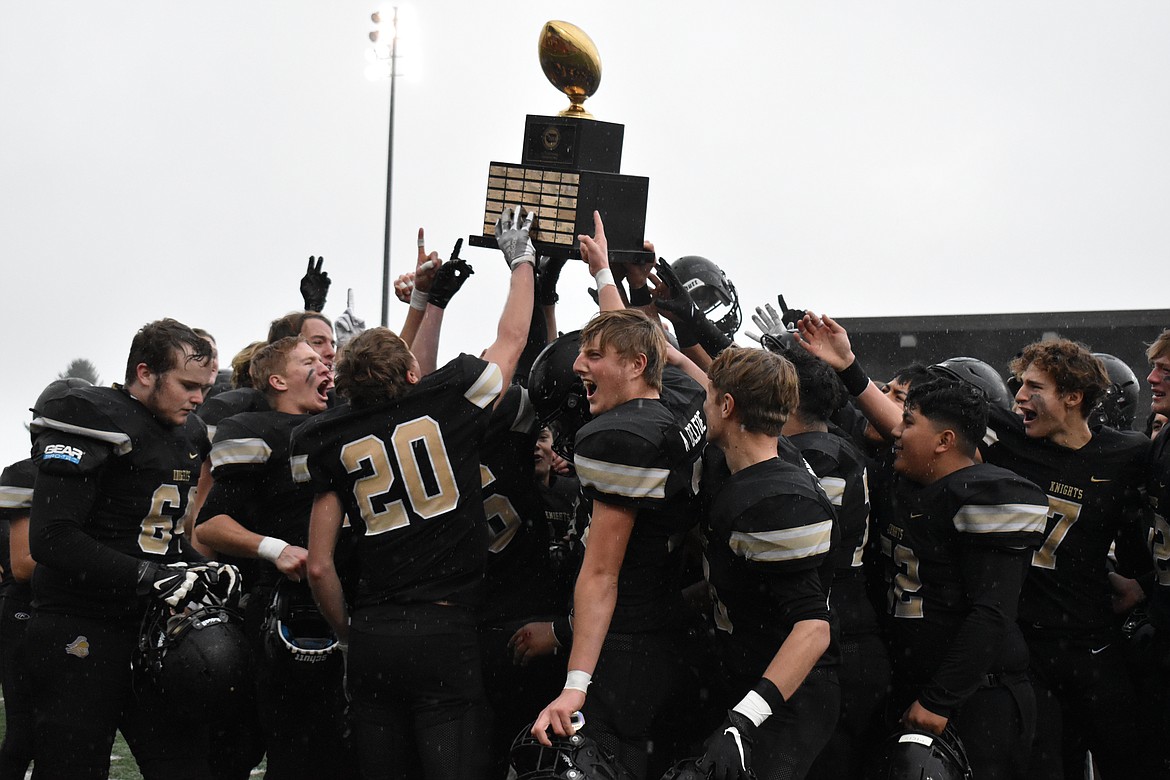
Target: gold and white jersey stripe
620	479
487	387
789	544
236	452
1001	518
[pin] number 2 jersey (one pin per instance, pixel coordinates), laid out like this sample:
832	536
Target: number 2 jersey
407	473
956	560
113	487
1094	499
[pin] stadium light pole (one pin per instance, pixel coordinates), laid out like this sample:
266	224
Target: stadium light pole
374	36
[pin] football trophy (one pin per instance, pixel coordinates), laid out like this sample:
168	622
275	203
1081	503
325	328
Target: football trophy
570	164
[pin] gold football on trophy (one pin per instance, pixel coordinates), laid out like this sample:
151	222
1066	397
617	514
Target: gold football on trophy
571	62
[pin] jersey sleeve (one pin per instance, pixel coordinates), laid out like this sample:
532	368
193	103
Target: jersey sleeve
1001	509
622	468
783	533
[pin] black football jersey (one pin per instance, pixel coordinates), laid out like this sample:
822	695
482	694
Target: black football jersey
521	581
16	494
840	468
407	473
1094	498
254	485
141	475
768	533
1158	496
644	455
951	565
229	403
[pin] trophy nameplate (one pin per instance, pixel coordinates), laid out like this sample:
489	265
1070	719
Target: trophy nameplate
570	164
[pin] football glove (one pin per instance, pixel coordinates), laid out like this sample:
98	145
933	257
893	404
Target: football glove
775	335
548	273
449	278
315	285
179	584
728	752
512	229
221	584
682	310
348	324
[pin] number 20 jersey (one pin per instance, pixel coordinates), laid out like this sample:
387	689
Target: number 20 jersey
407	473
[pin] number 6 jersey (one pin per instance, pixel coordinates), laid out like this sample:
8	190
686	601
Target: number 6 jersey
407	473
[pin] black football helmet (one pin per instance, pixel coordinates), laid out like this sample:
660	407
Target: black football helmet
1117	407
296	636
710	289
917	755
58	388
199	661
557	392
570	758
976	372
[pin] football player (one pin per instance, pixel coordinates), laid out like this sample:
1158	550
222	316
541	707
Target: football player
768	530
1092	479
259	517
402	460
864	671
117	467
636	461
957	562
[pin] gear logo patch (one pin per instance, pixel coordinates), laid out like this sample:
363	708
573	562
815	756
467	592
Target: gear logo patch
64	452
79	647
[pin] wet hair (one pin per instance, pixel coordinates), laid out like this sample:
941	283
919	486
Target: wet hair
630	333
821	391
271	359
291	324
954	404
161	344
915	372
372	369
764	385
1160	347
242	365
1071	366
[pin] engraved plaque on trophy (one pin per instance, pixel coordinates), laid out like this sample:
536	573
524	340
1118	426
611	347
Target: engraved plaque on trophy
570	163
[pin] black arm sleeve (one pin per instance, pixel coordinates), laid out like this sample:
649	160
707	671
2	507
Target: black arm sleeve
993	578
57	539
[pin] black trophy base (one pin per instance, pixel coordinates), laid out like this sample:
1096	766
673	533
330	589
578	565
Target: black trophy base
572	143
564	203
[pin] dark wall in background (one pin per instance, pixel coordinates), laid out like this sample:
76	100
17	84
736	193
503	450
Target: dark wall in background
884	344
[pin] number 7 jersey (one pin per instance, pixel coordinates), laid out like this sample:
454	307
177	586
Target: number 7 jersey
407	473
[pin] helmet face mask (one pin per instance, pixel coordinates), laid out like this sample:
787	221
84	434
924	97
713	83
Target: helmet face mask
558	394
296	634
1117	407
711	291
570	758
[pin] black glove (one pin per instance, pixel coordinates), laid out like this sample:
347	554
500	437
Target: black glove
315	285
222	581
449	278
681	309
548	272
727	753
179	584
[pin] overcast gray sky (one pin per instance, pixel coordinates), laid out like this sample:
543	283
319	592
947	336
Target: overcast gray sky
166	158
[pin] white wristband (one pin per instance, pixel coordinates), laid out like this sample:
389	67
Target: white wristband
578	680
418	299
604	277
270	548
754	708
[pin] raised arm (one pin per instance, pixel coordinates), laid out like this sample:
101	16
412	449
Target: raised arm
823	337
595	252
512	230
